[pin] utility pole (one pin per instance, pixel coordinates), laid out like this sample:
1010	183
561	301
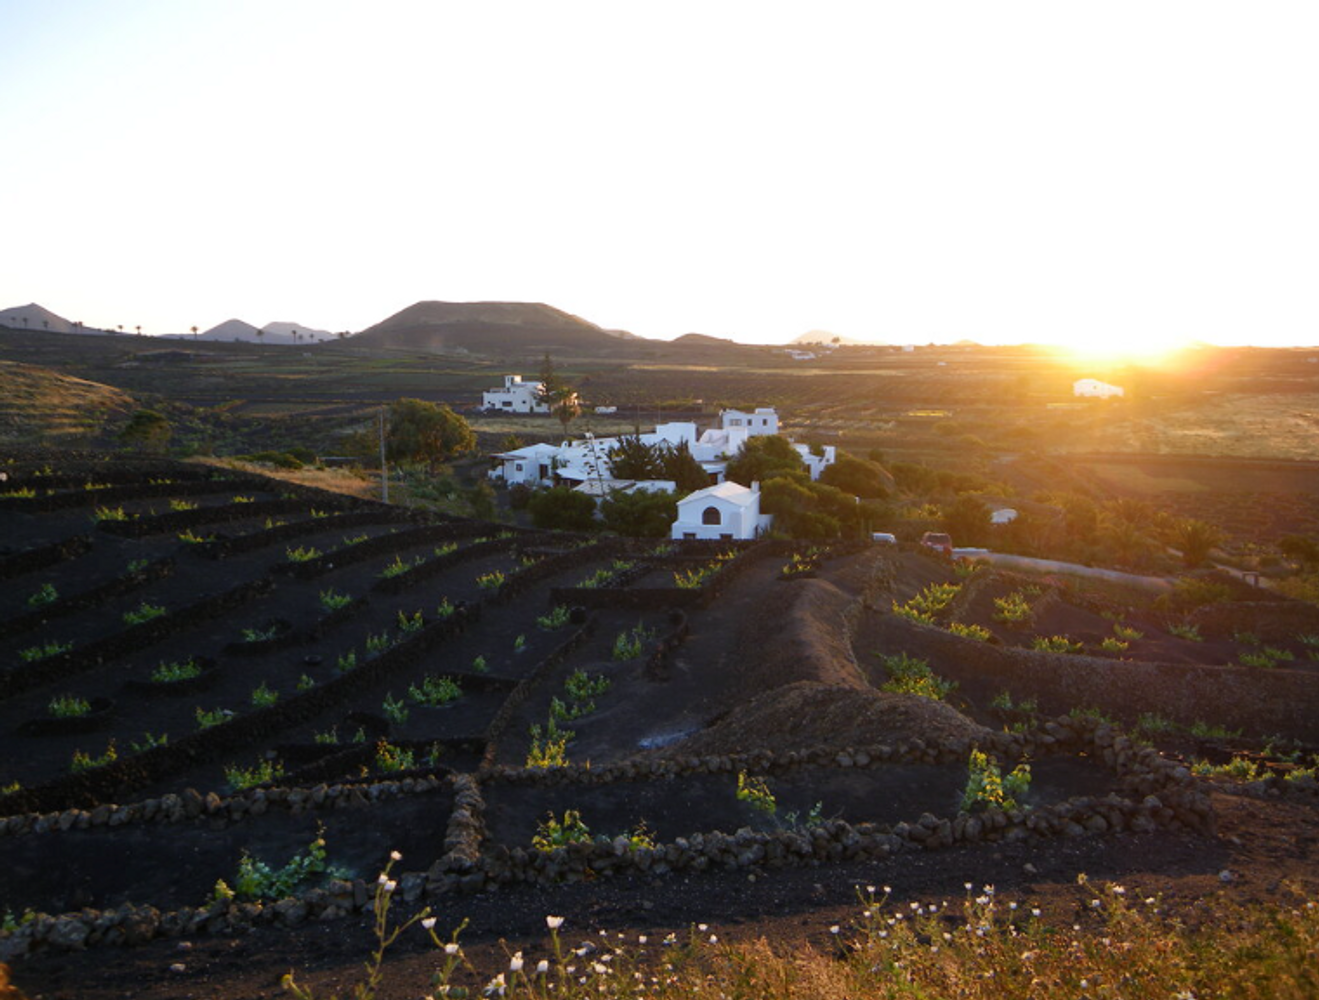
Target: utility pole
384	469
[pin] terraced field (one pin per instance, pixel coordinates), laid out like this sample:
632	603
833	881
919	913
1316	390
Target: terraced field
225	701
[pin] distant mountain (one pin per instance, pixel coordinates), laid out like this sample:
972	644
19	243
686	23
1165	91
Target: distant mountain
283	333
230	330
272	333
35	317
491	328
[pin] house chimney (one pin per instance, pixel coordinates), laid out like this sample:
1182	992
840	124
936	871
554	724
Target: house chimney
755	486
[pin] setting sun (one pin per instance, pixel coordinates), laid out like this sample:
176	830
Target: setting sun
1119	348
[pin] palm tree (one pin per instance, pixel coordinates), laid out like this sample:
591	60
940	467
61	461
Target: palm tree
138	328
194	333
1195	539
260	334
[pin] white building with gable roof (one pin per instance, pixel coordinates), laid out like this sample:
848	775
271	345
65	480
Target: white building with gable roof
728	511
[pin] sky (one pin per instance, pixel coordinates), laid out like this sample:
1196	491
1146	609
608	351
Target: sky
1124	174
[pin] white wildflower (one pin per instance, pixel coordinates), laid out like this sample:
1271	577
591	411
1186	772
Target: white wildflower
451	948
554	923
515	963
428	923
395	856
542	967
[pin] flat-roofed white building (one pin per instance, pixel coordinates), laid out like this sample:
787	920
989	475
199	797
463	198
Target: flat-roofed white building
516	396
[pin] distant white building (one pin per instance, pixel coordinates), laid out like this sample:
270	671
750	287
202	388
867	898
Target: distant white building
515	397
533	465
815	464
765	420
1092	388
1004	515
587	459
727	511
601	488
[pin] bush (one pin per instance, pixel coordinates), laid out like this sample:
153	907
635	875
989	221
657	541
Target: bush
562	509
640	514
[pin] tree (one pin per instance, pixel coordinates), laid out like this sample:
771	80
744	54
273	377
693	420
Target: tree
511	442
859	477
549	380
764	457
796	508
680	465
562	508
566	408
1196	539
1300	549
967	520
147	429
194	333
632	458
423	432
640	514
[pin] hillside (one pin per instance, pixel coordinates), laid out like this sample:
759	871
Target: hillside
38	405
35	317
491	328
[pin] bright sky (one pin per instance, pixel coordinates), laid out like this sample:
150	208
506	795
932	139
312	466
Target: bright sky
1117	173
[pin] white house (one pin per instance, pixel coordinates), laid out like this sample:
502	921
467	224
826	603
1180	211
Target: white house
764	421
1004	515
728	511
515	397
533	465
587	459
815	464
1093	388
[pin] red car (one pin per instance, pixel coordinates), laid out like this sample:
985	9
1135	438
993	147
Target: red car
939	541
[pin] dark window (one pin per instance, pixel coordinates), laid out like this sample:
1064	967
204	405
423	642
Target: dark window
711	516
689	534
726	535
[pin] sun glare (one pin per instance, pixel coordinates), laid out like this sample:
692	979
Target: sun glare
1118	347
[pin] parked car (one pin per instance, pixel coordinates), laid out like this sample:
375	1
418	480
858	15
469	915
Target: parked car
939	541
884	537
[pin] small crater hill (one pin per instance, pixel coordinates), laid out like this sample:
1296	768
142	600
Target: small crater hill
488	327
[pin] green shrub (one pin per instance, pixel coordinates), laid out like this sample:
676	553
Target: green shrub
1057	644
435	692
1012	608
67	706
977	632
45	594
552	833
242	778
179	670
986	785
395	709
84	762
556	619
144	612
45	651
331	601
910	675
